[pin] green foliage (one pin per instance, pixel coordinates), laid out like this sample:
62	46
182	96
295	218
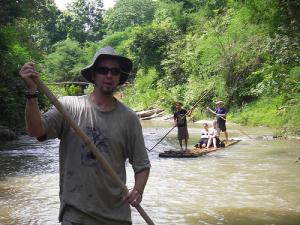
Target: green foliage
128	13
246	50
13	54
274	112
168	97
268	13
120	41
29	15
188	6
262	112
31	9
295	74
215	7
143	94
149	44
168	12
292	112
115	39
73	90
65	62
173	65
83	20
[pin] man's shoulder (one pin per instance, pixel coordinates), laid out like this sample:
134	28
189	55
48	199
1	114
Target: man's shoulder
220	109
74	101
124	109
223	109
180	111
72	98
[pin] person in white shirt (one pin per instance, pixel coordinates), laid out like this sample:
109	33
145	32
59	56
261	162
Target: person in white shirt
213	137
204	136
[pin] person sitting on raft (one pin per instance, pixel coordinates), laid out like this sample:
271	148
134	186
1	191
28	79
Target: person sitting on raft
213	138
204	137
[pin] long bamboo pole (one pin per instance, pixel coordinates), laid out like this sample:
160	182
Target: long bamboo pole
87	141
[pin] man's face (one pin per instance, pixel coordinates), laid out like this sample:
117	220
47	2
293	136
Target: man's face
107	75
178	106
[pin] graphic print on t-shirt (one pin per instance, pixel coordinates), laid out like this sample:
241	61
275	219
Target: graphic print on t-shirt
101	142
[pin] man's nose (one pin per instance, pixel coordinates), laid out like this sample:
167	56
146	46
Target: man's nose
109	74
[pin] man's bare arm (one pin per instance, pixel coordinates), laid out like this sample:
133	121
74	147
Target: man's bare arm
33	121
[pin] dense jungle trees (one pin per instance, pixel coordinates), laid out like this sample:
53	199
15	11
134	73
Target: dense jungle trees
248	51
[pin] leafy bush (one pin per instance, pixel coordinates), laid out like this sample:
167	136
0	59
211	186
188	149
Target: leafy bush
142	94
127	13
73	90
65	63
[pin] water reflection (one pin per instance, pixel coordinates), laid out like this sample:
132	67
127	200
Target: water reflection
28	156
253	182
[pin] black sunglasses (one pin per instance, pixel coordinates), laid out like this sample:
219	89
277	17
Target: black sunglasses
105	70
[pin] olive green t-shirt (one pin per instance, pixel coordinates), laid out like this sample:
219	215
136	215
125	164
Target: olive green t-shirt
88	195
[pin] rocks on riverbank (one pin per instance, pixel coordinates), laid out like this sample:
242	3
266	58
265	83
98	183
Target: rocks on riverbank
6	134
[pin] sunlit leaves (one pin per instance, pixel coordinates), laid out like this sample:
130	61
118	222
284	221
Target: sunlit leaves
84	20
127	13
65	63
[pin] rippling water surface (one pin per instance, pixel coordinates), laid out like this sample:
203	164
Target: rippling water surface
255	182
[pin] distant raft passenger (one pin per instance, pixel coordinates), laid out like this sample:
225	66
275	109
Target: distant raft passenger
204	137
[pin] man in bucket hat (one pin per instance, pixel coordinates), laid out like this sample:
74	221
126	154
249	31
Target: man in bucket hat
88	196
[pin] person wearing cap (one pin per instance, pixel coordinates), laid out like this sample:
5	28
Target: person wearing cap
220	112
88	195
181	123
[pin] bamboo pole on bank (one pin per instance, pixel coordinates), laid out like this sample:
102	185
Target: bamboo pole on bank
88	142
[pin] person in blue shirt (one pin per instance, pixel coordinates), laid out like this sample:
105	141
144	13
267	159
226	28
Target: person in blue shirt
221	117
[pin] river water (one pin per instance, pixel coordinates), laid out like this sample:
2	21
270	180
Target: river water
255	182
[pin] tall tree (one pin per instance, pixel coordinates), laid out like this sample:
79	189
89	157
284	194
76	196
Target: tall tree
128	13
83	20
19	42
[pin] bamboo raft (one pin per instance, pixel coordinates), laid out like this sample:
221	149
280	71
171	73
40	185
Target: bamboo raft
194	153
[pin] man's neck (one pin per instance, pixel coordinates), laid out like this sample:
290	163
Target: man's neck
104	102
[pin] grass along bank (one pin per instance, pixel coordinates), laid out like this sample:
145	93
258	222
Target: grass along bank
274	112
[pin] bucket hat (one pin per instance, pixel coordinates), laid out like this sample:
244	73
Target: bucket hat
108	51
219	102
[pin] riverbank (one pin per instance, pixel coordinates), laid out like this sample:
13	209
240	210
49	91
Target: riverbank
7	134
274	112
